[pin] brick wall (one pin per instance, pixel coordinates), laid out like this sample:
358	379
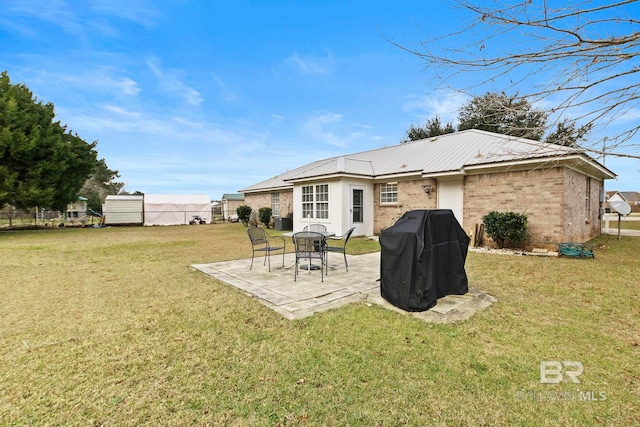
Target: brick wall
539	194
263	200
581	217
553	200
410	196
286	203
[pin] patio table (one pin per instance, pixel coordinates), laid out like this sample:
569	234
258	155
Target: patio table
324	233
308	266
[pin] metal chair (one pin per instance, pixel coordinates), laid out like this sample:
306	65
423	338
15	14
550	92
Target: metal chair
309	246
317	228
260	243
341	248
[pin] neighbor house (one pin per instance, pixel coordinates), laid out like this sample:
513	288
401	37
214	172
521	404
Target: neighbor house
632	198
231	202
77	210
472	172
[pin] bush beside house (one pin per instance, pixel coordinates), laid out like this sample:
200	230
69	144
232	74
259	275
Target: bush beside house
505	227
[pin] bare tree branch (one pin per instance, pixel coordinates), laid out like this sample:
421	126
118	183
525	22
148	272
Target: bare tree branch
582	57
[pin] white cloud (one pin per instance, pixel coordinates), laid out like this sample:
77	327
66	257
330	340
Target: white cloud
331	129
121	111
78	21
310	65
446	106
127	86
56	12
316	128
226	92
103	79
141	12
23	29
170	81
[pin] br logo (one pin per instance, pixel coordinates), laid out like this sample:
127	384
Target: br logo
553	372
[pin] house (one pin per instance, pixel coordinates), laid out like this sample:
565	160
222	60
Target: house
471	172
630	197
77	210
230	202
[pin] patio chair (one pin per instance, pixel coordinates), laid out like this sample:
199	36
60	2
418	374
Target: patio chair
341	248
317	228
309	246
260	243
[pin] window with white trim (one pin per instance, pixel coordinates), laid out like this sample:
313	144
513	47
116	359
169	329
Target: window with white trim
587	199
307	201
322	201
275	204
315	201
389	192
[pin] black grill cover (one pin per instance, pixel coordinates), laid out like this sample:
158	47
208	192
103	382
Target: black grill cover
422	259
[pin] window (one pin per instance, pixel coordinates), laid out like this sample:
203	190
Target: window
275	204
587	199
315	201
307	201
322	201
389	192
357	205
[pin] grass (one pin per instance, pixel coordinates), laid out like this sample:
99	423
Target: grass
631	222
111	327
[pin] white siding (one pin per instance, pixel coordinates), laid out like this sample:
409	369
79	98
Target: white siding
123	210
339	220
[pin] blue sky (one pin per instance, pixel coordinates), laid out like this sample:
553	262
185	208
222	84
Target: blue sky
208	97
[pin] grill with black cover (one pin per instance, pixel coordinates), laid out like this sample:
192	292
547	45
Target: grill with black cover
422	259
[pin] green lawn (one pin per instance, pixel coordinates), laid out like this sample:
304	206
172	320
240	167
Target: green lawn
111	327
626	223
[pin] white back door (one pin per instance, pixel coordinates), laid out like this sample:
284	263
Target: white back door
451	196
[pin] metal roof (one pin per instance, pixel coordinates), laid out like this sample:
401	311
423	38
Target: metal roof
124	197
628	196
450	153
232	196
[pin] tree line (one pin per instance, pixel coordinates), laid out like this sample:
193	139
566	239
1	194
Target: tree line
504	114
581	57
43	163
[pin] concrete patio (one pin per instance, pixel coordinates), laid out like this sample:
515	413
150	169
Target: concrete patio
308	295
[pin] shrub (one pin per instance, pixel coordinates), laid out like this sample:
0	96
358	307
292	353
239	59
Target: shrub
505	227
243	213
265	216
254	219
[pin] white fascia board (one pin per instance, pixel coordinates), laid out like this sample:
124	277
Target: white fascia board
513	165
396	176
601	168
579	163
585	163
460	172
268	189
327	177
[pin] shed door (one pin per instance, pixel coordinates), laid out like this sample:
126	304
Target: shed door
451	196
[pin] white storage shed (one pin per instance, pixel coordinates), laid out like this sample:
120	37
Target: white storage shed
123	210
